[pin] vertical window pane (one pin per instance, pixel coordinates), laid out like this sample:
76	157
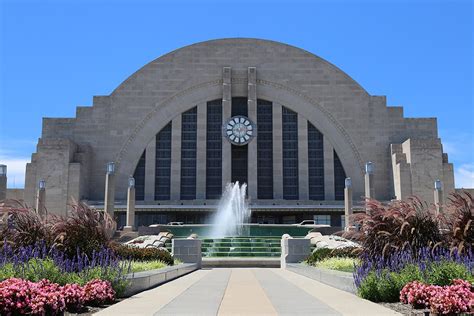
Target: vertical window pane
315	163
339	178
264	150
188	154
163	164
290	154
214	150
139	176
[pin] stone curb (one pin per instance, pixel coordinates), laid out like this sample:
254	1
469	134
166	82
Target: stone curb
338	279
141	281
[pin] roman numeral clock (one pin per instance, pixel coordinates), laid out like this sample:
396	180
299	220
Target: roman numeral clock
239	130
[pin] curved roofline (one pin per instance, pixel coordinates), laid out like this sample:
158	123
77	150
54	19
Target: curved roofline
240	38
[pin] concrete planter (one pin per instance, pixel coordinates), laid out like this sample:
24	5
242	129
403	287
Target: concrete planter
340	280
141	281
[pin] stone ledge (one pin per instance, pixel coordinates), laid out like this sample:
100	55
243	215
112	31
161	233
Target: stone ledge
338	279
141	281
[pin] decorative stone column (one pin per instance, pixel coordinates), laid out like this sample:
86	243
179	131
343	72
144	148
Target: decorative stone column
438	197
369	180
3	182
109	198
226	113
41	198
348	204
130	226
252	146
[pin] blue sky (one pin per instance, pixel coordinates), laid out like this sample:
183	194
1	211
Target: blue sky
56	55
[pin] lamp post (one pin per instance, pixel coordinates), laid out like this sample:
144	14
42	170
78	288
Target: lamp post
3	182
41	198
130	205
438	196
109	197
347	203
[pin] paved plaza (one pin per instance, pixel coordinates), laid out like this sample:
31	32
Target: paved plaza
241	291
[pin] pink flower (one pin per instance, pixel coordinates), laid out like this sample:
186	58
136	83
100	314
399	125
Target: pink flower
455	298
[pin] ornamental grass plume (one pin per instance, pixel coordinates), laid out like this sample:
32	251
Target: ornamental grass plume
397	226
458	219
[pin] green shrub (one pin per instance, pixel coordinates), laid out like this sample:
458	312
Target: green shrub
385	286
442	273
338	263
368	289
142	254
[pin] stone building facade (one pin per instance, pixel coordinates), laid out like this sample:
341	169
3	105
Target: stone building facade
168	126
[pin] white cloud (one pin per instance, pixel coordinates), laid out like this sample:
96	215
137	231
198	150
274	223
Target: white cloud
464	176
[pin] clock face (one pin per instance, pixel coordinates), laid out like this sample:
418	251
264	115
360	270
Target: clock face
239	130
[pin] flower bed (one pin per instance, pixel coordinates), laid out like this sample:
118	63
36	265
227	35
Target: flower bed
450	299
19	296
381	279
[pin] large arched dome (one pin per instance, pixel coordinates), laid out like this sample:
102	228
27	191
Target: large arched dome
315	126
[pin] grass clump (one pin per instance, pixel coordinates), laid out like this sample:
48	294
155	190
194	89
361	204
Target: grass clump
338	263
139	266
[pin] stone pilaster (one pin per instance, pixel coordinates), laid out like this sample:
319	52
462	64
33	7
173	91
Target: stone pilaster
130	208
175	186
150	165
201	151
303	177
109	198
348	203
41	201
369	181
438	197
277	152
328	149
252	146
226	113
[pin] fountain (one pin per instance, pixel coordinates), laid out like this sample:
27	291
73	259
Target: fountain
232	212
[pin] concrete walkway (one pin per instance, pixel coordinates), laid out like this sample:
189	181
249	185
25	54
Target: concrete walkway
245	291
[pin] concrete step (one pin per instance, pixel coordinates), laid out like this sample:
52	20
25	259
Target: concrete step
236	262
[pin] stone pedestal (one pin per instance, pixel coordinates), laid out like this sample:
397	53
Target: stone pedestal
109	198
130	209
187	250
438	200
348	207
369	186
41	202
294	250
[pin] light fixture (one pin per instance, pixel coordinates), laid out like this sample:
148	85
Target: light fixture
369	168
131	182
42	184
438	184
348	182
3	170
111	167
